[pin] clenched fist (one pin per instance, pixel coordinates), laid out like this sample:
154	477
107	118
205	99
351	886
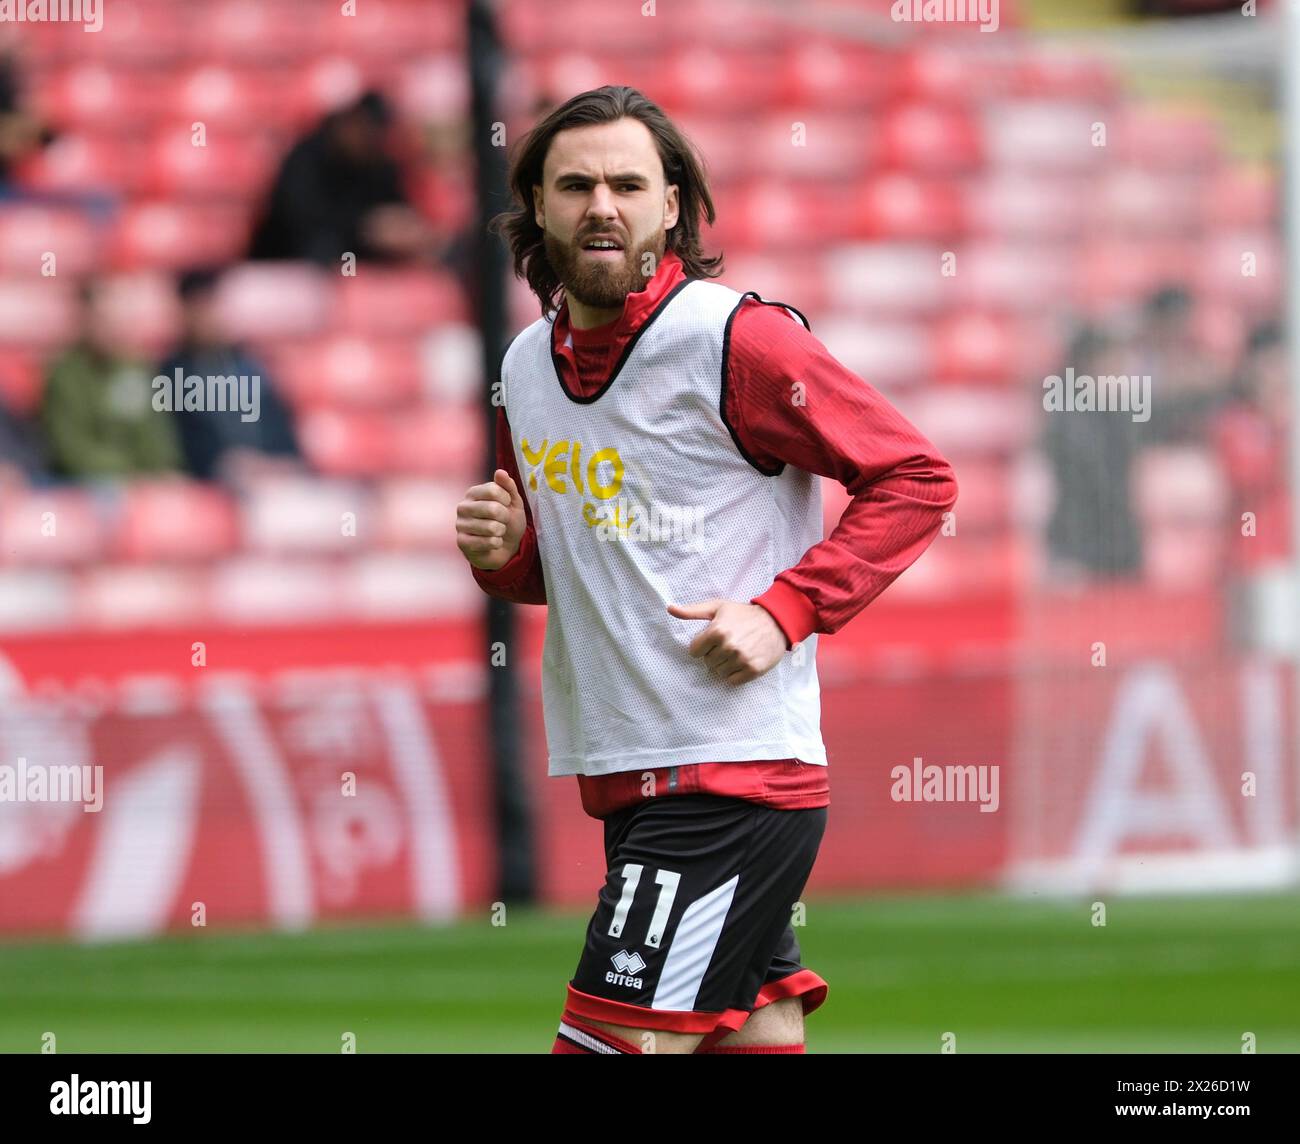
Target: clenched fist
490	522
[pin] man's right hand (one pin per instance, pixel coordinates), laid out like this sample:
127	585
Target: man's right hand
490	522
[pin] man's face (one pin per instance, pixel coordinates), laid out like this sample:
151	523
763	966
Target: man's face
604	182
202	318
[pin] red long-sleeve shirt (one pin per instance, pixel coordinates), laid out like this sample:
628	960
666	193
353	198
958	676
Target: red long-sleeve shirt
840	427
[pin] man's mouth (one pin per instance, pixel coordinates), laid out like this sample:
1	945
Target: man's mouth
603	247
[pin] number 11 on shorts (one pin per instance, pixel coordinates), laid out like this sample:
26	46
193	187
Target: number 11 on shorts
667	881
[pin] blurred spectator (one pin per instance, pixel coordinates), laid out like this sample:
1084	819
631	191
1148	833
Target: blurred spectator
96	406
1250	434
22	455
339	191
21	133
1185	387
1093	532
220	444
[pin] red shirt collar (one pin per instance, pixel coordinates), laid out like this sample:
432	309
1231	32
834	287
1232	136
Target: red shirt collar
637	308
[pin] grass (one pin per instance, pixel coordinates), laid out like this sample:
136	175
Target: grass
1003	975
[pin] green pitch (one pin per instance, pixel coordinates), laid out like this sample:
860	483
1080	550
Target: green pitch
1166	975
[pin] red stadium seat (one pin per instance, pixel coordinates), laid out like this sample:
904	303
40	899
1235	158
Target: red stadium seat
141	595
736	24
800	145
451	364
1239	197
903	206
438	440
349	370
135	33
1165	139
1014	277
1046	136
264	301
240	99
44	318
1224	259
1116	271
767	215
34	600
345	444
1183	556
702	77
21	380
228	165
985	498
417	513
1141	203
929	138
568	70
1025	204
173	235
51	526
261	31
322	85
887	277
814	73
143	310
276	590
31	235
730	158
386	30
87	163
293	514
934	72
799	280
381	301
584	26
970	420
102	96
393	585
886	354
434	88
1063	72
983	348
174	520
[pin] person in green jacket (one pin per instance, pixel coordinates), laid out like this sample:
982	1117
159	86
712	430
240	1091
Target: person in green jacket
96	409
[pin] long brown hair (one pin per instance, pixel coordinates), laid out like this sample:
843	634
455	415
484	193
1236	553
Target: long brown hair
682	166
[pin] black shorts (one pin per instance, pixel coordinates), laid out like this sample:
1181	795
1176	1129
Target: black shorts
692	930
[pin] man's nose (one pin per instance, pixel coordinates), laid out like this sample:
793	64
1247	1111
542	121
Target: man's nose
602	202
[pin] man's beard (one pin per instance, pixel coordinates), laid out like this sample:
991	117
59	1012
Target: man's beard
603	285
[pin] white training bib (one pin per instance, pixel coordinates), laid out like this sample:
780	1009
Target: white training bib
641	497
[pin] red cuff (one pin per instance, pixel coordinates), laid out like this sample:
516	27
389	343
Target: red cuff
514	569
791	609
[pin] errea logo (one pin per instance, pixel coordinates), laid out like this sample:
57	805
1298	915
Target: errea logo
627	964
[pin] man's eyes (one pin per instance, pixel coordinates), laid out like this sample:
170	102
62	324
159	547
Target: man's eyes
584	186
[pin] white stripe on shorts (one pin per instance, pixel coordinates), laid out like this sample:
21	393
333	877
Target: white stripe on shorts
692	948
586	1040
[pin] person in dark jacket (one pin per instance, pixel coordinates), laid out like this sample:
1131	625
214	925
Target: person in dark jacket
340	192
225	444
1093	531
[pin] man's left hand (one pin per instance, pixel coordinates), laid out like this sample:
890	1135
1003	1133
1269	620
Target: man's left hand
742	641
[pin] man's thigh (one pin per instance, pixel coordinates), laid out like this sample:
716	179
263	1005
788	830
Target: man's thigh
779	1023
692	916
